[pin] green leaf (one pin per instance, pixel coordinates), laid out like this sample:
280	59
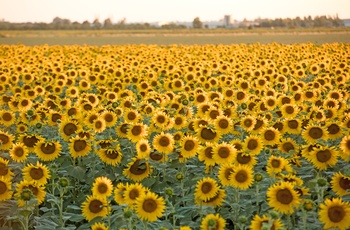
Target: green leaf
76	172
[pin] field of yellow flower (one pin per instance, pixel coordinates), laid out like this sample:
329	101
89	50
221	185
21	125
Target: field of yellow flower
175	137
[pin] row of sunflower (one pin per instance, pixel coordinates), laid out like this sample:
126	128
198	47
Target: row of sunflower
175	137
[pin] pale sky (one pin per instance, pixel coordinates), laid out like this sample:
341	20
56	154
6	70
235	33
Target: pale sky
167	11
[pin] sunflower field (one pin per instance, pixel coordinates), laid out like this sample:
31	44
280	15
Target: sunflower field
242	136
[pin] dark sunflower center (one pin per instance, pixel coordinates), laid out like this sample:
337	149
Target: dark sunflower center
108	117
102	188
213	114
200	98
143	147
55	117
131	116
36	173
336	214
344	183
275	163
258	124
240	96
7	116
4	139
164	141
79	145
112	154
323	155
269	135
333	129
136	170
252	144
315	132
92	118
189	145
48	148
34	190
209	152
69	129
134	193
228	172
287	146
98	124
248	122
3	187
155	156
293	124
241	176
161	119
3	169
19	152
243	158
206	187
136	130
124	128
284	196
289	109
178	121
207	134
223	123
149	205
224	152
95	206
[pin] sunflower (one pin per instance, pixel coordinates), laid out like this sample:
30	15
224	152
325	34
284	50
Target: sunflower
242	177
189	146
179	122
99	226
248	123
6	140
48	150
137	170
323	157
275	165
109	117
260	222
252	145
5	189
119	193
213	221
223	124
99	125
282	197
102	187
345	148
94	207
150	207
287	145
289	111
38	173
143	149
79	147
7	118
224	173
137	131
207	134
206	189
244	158
38	192
313	133
340	184
334	213
216	201
161	121
110	155
132	192
270	136
122	129
19	152
164	143
292	126
223	152
334	130
205	153
68	127
131	115
260	124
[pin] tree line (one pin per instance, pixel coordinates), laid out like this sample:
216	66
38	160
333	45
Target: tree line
66	24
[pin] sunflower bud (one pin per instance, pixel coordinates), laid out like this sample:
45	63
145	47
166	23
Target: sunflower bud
30	112
308	205
179	176
191	98
211	224
244	106
274	214
169	191
127	213
258	177
38	125
242	219
185	102
64	182
322	182
115	104
27	194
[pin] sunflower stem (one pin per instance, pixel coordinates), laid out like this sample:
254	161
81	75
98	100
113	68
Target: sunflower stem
145	226
257	198
304	216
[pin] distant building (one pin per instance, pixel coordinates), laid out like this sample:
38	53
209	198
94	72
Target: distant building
228	21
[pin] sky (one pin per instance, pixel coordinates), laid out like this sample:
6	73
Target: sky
167	11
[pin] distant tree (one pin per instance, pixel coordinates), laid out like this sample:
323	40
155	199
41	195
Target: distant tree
85	25
97	24
197	23
107	24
